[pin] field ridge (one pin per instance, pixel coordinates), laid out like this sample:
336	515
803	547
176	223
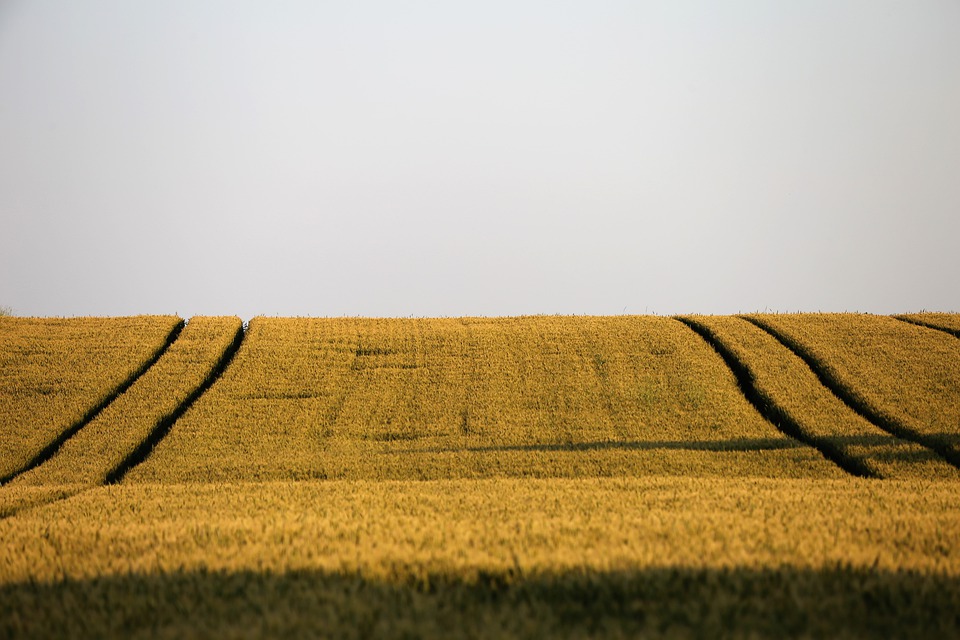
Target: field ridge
51	449
771	410
850	398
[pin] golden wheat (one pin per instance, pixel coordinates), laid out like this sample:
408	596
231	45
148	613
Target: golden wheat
949	322
54	371
447	398
908	376
790	384
467	526
16	498
428	523
98	448
178	560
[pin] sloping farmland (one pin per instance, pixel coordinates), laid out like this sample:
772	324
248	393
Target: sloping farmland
474	397
495	477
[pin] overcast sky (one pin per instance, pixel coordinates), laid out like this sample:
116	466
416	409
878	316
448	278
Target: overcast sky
449	158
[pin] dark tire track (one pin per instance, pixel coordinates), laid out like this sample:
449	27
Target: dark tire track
772	412
163	426
51	449
851	399
926	325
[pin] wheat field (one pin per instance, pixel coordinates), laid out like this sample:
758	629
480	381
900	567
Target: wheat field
756	476
903	376
54	371
449	398
786	383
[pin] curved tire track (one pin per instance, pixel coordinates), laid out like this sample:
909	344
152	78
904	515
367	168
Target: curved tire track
771	411
51	449
926	325
830	381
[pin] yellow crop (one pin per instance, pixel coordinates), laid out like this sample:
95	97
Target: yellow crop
504	477
19	497
905	377
949	322
464	558
488	524
473	397
103	444
787	383
54	372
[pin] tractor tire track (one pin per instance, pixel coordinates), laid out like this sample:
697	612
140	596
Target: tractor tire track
928	325
163	426
51	449
772	411
857	404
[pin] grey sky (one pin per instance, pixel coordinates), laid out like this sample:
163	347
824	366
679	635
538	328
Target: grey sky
481	158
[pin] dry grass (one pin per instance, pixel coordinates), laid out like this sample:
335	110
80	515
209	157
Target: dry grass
103	444
908	376
786	381
53	371
448	398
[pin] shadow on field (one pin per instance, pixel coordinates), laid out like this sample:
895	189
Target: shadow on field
731	444
685	602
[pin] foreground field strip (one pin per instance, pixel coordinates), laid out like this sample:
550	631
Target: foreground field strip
770	409
59	375
910	393
676	602
418	399
126	430
469	526
528	558
792	393
946	322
